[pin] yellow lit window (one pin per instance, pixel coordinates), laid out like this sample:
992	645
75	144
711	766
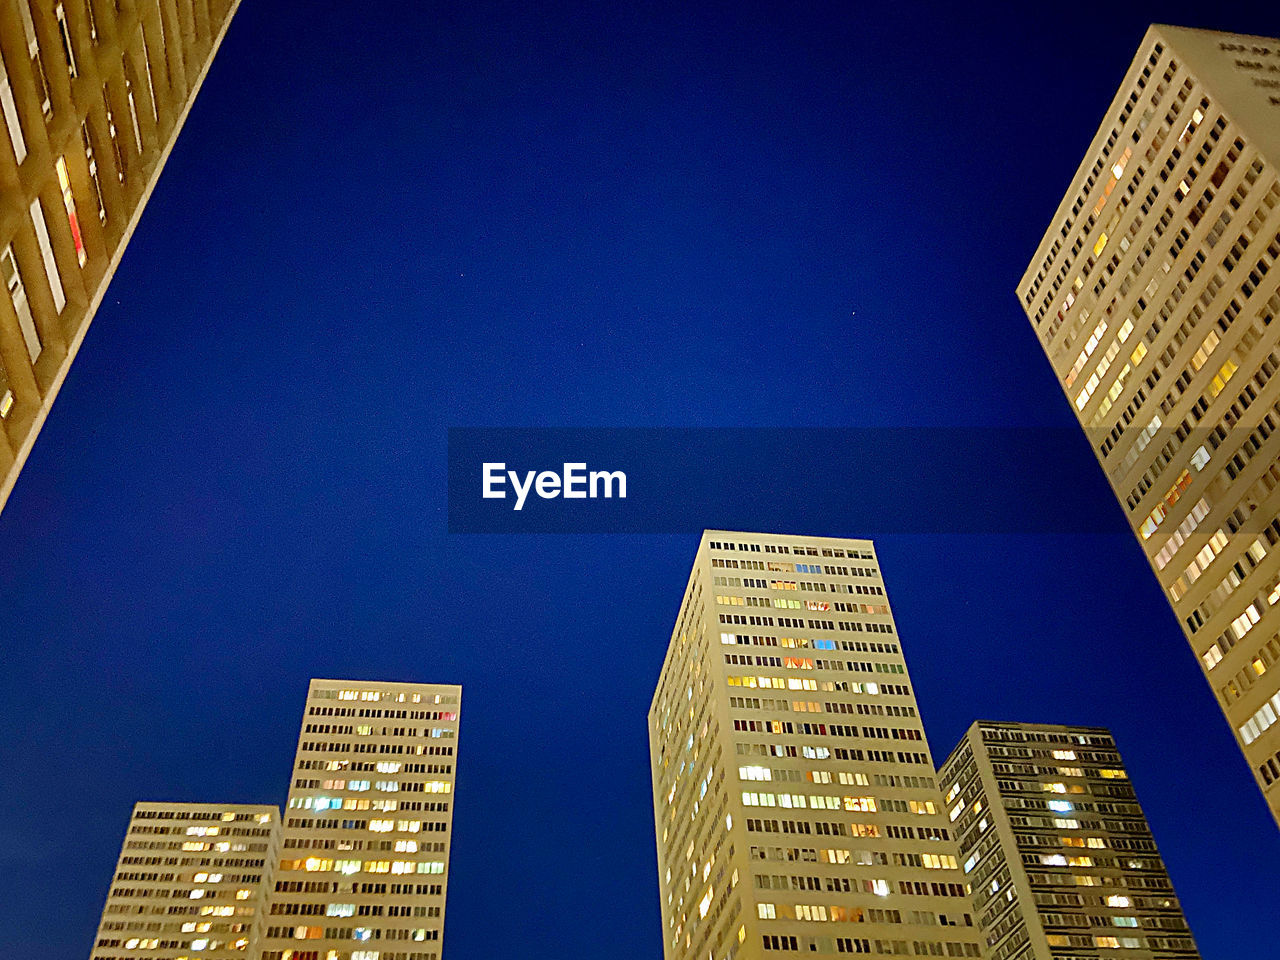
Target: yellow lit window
69	202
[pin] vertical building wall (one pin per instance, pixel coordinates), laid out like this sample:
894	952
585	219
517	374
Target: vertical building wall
364	864
92	96
192	880
795	803
1056	847
1154	294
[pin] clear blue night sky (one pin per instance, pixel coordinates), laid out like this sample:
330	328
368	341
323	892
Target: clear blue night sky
383	220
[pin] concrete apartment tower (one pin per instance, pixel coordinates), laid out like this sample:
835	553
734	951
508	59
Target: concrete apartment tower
1060	857
92	94
192	880
365	855
794	798
1153	293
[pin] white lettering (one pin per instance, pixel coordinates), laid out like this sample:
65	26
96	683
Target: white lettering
521	492
571	477
609	478
574	482
493	475
548	485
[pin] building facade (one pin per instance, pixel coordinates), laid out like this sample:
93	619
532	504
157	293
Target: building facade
1153	294
795	803
365	851
93	94
191	881
1055	845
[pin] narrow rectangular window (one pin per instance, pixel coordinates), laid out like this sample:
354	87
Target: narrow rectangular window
46	253
164	42
6	395
133	114
69	201
116	153
93	171
151	84
10	109
18	295
64	32
37	63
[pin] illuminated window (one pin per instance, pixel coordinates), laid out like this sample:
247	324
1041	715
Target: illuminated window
1224	374
1245	622
69	201
808	912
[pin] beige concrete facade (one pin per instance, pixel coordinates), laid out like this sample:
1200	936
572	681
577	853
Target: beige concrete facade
795	802
365	855
1153	294
191	882
92	96
1061	859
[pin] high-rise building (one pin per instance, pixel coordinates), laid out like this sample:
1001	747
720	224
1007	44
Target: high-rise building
1153	294
1057	850
795	801
92	95
365	853
192	880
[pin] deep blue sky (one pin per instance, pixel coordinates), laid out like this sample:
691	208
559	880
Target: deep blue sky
383	220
